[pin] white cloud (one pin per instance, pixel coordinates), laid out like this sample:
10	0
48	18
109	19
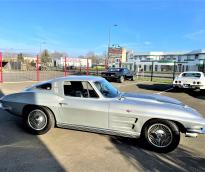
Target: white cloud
197	35
147	43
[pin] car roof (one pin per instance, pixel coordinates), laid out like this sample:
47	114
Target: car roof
193	72
79	78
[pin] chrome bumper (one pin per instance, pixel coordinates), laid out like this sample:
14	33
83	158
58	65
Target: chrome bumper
4	107
194	132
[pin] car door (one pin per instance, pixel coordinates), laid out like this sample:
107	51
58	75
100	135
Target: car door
82	106
127	73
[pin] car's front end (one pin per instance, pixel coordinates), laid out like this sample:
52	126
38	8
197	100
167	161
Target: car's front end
191	121
111	75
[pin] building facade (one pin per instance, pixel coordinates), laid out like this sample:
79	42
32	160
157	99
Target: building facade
116	56
75	62
163	61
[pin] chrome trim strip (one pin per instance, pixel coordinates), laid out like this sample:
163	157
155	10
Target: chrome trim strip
99	130
198	131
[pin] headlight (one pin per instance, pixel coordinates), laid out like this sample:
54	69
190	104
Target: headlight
194	82
179	81
175	81
198	82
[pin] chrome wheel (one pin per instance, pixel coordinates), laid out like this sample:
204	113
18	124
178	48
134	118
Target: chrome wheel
160	135
122	79
37	119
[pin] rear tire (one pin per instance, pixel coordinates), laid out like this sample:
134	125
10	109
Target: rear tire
133	78
161	135
38	120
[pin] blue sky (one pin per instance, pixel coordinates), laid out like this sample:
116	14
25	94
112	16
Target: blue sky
78	27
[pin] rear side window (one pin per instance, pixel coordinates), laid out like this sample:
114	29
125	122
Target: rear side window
197	75
46	86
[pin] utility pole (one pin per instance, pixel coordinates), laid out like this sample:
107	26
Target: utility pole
152	70
174	70
109	41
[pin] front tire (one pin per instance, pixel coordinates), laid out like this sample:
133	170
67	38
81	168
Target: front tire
161	135
38	120
121	79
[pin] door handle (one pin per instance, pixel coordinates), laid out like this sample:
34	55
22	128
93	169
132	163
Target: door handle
63	104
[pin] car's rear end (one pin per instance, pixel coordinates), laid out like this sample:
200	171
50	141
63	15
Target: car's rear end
191	80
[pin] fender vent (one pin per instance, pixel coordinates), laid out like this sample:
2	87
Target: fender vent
133	125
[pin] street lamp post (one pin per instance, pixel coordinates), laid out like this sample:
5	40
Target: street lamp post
41	43
109	40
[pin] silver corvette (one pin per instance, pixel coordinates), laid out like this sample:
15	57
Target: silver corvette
91	103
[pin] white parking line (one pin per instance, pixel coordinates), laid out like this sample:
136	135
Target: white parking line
165	90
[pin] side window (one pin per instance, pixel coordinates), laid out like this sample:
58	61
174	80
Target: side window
126	71
79	89
46	86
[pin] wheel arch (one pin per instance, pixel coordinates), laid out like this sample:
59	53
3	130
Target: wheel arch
178	124
26	108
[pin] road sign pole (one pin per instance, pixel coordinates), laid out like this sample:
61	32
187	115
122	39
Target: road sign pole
1	68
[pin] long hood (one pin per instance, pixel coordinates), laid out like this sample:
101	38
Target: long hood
155	98
160	106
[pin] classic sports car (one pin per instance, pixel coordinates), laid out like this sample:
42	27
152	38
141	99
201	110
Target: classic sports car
118	74
193	80
92	104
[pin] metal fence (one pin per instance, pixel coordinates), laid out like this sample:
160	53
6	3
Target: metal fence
164	72
32	69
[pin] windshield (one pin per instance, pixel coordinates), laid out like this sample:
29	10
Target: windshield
106	89
196	75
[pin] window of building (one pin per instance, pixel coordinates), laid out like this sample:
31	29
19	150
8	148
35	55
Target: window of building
156	67
150	68
145	68
79	89
166	68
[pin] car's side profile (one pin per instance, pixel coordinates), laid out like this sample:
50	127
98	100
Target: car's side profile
191	80
93	104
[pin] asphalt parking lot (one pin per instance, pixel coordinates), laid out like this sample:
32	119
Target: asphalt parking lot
69	150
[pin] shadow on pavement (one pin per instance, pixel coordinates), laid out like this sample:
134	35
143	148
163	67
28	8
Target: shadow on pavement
155	87
178	160
161	87
20	151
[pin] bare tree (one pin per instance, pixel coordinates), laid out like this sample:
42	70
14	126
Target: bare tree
20	57
45	58
57	54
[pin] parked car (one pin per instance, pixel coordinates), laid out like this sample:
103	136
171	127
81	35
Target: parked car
118	74
91	103
192	80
